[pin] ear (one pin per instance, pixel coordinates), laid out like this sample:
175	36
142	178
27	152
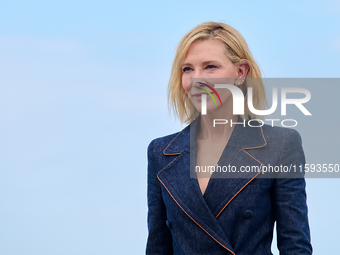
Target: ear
242	69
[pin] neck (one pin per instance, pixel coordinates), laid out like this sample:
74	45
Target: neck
207	129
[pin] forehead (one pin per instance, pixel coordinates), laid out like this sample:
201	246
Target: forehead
206	49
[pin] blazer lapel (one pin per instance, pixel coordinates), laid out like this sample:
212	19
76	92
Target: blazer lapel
177	179
223	187
185	191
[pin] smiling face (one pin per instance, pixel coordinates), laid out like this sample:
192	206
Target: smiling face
205	60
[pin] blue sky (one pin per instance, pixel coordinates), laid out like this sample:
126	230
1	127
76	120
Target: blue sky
83	92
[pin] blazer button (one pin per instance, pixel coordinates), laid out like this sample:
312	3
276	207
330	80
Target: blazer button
248	214
168	224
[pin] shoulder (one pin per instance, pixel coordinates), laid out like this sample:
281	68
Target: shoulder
160	143
158	148
283	149
281	135
285	145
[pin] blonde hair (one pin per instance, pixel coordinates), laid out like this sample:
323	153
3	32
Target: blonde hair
236	49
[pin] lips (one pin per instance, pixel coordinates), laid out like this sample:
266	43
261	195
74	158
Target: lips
200	94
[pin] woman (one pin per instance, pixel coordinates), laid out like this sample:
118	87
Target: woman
192	207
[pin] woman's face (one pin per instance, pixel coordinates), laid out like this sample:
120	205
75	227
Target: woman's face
204	60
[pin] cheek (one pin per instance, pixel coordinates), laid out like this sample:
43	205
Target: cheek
186	84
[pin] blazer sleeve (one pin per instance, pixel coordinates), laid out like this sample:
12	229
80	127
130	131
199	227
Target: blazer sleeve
159	239
293	234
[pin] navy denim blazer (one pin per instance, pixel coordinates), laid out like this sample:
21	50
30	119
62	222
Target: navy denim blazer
235	215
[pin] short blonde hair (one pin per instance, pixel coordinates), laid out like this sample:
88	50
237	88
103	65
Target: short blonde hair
236	49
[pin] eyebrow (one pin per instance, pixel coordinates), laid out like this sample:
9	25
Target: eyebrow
204	63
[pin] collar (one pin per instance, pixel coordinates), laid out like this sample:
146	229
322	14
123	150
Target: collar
246	135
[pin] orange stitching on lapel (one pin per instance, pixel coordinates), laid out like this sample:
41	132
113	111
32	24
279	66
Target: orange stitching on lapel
192	218
169	154
256	147
238	192
168	164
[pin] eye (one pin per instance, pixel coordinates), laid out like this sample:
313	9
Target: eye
186	69
210	67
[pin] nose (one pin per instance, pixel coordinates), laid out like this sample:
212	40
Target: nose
198	73
198	78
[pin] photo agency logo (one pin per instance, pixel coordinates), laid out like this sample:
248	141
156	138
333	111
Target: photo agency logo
238	101
204	97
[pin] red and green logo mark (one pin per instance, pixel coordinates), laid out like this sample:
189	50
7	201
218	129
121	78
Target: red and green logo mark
212	89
